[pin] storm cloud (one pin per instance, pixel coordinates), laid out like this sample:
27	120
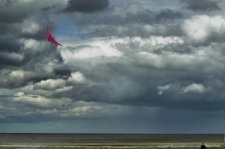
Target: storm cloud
87	6
202	5
148	65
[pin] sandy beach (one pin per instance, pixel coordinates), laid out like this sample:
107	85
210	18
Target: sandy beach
124	146
95	141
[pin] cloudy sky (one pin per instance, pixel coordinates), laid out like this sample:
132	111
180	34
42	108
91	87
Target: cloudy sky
126	66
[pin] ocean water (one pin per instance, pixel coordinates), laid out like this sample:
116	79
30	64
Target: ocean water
107	140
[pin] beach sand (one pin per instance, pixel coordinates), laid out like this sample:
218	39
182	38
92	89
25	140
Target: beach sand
98	141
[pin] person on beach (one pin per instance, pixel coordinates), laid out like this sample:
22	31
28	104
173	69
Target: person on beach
203	146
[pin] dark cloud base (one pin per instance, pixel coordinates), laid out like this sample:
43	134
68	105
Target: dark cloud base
87	6
202	5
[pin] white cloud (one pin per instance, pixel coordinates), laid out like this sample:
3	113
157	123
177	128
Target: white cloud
19	75
29	26
201	27
96	109
27	88
162	41
162	89
158	41
135	44
77	77
44	91
194	88
84	110
89	50
38	100
171	59
113	47
13	56
32	44
50	84
53	111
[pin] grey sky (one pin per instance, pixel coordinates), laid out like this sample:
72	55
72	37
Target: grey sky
126	66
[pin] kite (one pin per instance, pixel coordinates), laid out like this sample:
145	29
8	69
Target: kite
51	39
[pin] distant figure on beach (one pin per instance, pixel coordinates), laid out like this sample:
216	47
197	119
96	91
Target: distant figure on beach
203	146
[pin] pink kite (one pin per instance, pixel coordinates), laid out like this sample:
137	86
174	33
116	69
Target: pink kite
51	39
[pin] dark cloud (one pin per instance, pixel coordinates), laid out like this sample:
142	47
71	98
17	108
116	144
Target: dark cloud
202	5
9	11
143	16
9	44
87	6
22	41
149	64
11	59
54	7
142	22
62	72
